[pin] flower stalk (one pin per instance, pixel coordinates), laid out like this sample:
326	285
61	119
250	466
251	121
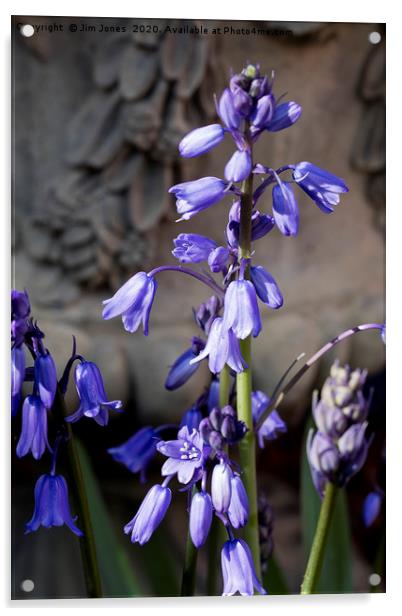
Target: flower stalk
247	447
190	565
315	560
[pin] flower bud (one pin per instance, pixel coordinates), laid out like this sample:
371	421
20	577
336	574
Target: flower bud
200	518
239	166
239	507
221	487
201	140
46	378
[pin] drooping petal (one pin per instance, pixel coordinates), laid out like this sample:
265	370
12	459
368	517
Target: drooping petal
201	140
241	312
266	287
285	209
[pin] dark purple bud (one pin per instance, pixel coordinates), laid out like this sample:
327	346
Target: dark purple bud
266	287
192	248
46	378
227	111
20	306
182	369
239	508
201	140
285	115
372	507
138	451
51	505
193	197
215	417
216	440
34	428
228	428
239	166
259	87
242	101
241	313
322	187
200	518
150	514
263	112
191	419
261	224
91	391
238	570
205	429
228	411
133	301
285	208
218	259
239	81
221	487
206	313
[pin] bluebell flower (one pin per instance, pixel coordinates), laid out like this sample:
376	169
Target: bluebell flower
17	376
46	378
238	570
133	301
266	287
222	348
191	419
213	394
285	115
183	368
238	167
20	305
273	425
285	209
239	507
193	197
218	258
227	111
92	395
206	313
51	505
242	101
150	514
372	507
186	455
192	248
261	224
241	313
34	428
263	112
322	187
221	486
201	140
200	518
137	452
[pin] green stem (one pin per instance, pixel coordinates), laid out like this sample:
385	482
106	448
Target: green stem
314	564
224	386
190	566
78	492
247	446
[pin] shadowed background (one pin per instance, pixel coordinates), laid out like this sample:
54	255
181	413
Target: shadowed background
97	120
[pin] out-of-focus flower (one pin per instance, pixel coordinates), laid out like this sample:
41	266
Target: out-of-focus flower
91	391
191	419
137	452
51	505
150	514
17	376
372	507
273	425
238	570
133	301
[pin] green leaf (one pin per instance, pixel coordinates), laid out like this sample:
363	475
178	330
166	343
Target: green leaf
336	573
274	580
116	572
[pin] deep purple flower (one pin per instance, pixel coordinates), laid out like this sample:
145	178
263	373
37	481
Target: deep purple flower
185	455
239	508
183	368
20	306
17	376
51	505
322	187
372	507
201	140
273	425
238	570
200	518
133	301
192	248
227	111
285	115
266	287
46	378
34	428
261	224
217	259
191	419
91	391
213	394
239	166
263	112
221	486
193	197
222	348
137	452
150	514
241	312
285	208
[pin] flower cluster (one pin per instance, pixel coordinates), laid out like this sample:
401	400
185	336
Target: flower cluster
338	449
38	407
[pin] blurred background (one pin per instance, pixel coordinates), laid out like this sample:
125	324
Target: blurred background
99	108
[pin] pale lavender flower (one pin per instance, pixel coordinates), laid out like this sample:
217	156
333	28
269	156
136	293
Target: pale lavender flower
221	486
133	301
241	313
193	197
186	455
150	514
322	187
201	140
218	258
239	507
285	209
238	570
239	166
200	518
222	348
192	248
